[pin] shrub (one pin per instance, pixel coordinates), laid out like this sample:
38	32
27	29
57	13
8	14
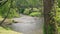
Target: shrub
37	14
27	11
13	13
35	9
58	16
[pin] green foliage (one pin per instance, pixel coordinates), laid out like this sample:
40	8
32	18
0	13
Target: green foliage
35	10
58	16
35	14
5	8
29	2
58	19
58	30
13	13
27	11
21	10
58	3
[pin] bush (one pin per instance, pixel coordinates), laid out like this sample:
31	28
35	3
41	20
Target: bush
27	12
37	14
35	9
58	16
13	13
58	21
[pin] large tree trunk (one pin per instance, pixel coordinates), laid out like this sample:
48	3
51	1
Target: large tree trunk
49	14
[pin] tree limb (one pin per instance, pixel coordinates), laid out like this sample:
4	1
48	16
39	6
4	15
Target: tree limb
3	3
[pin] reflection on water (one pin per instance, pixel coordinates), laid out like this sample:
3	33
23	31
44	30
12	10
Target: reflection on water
28	25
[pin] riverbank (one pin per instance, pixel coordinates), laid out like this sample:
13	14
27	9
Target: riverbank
5	31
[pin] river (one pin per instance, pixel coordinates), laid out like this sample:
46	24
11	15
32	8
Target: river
28	25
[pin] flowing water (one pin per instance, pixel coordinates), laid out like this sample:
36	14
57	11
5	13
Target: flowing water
28	25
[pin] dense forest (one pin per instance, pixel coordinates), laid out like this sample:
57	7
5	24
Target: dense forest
15	7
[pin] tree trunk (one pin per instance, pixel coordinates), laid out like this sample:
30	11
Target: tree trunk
49	14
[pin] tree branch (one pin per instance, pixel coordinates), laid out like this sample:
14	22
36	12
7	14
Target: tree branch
3	3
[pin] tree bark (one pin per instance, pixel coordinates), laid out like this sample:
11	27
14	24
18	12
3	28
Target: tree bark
49	14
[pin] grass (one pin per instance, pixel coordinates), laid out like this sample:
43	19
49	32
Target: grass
4	31
7	30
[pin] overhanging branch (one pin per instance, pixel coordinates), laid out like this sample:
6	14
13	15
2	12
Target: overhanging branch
3	2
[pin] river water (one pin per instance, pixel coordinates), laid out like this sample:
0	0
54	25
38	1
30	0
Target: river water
28	25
